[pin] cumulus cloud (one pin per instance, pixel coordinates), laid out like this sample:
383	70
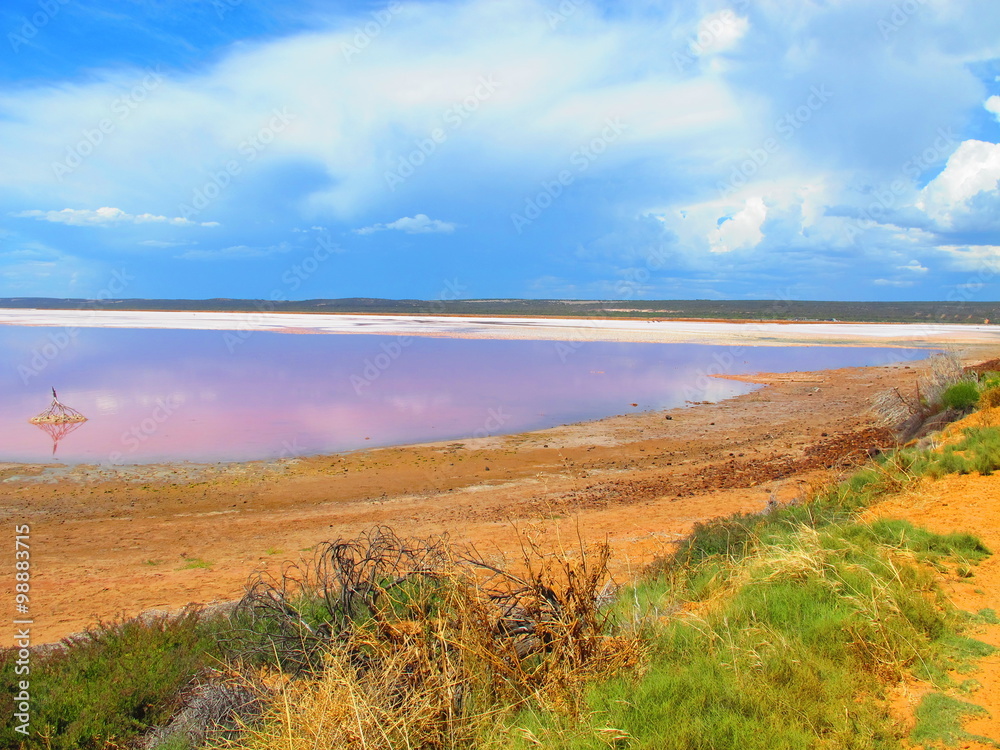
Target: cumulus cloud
982	259
741	230
973	168
107	216
915	266
993	106
419	224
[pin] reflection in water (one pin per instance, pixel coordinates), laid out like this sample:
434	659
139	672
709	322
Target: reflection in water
58	420
155	395
57	431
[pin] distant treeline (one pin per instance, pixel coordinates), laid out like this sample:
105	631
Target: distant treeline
901	312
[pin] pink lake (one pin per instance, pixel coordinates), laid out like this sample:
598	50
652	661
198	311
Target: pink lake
168	395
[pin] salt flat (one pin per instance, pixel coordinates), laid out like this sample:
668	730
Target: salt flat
567	329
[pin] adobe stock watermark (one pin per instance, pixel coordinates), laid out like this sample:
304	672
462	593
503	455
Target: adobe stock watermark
138	434
563	12
389	352
710	32
224	7
121	109
580	160
493	424
290	449
249	150
785	127
42	355
884	199
629	287
452	119
724	361
364	34
23	621
291	279
47	10
898	17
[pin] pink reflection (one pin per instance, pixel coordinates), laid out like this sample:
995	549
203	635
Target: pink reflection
153	395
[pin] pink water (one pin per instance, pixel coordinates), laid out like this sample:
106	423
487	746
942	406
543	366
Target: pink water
156	395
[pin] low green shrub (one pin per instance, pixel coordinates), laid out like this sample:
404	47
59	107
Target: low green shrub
978	450
108	686
963	396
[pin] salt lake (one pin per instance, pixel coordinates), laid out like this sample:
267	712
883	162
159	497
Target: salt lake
212	395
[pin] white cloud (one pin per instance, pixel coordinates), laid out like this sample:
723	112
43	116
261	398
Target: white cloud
236	252
972	169
741	230
983	259
163	243
419	224
892	282
792	208
915	266
718	32
993	106
107	216
509	92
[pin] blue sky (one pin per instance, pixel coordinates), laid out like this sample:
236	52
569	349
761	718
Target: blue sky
801	149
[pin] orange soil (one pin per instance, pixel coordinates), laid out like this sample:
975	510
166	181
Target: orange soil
969	503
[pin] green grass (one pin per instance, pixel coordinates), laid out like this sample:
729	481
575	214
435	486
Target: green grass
801	616
939	719
977	451
987	617
109	686
195	563
797	634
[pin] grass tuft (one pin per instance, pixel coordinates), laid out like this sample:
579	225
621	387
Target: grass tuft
939	719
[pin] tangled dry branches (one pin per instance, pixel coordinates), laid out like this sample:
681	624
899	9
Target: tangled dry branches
426	637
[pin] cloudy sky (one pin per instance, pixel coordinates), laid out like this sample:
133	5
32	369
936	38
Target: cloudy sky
636	149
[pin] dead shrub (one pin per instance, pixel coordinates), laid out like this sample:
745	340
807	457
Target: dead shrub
391	642
990	398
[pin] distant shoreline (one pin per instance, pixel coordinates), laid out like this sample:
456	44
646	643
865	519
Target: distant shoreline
961	311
